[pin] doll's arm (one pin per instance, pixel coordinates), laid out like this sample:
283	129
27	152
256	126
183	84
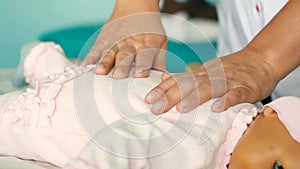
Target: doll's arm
44	59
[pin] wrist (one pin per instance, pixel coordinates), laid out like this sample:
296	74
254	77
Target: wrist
264	61
278	42
128	7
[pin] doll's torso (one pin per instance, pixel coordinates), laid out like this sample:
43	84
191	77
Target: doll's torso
55	121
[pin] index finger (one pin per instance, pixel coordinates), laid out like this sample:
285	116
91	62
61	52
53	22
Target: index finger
94	54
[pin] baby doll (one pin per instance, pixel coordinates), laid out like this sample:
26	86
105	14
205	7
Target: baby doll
65	111
68	111
272	140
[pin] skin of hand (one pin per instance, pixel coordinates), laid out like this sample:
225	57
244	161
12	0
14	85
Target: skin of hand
134	33
219	77
266	142
249	75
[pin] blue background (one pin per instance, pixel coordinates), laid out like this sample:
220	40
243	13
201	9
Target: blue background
23	21
71	23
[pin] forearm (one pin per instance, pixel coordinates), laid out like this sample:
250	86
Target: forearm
127	7
279	42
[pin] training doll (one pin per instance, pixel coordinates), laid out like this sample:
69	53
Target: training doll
272	140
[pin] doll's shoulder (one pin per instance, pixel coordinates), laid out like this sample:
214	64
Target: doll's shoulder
37	105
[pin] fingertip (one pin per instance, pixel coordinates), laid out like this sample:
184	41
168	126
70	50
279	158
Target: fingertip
119	76
187	105
183	106
165	76
231	98
99	72
153	96
159	107
120	73
218	106
141	73
102	69
155	112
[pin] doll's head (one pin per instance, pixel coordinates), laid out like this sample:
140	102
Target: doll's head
272	139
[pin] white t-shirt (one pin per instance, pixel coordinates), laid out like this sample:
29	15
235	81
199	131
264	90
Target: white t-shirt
240	21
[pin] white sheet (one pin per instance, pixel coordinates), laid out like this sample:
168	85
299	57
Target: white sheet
14	163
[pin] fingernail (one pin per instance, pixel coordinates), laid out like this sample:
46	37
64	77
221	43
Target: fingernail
140	74
185	103
119	73
158	107
153	96
100	69
139	71
218	106
102	66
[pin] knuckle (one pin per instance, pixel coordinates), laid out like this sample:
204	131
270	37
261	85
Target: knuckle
109	52
143	67
160	88
171	100
150	43
96	49
104	63
237	94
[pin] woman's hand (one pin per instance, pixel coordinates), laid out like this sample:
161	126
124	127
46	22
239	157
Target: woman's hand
237	78
134	33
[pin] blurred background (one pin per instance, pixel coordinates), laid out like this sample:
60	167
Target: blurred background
26	21
191	26
70	23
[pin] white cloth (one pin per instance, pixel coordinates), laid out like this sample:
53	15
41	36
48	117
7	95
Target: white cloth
53	122
240	21
141	140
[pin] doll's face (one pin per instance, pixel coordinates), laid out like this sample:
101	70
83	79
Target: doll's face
265	143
